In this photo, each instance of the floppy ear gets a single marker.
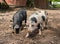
(46, 13)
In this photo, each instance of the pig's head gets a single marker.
(16, 28)
(32, 26)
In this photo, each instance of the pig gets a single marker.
(36, 21)
(18, 18)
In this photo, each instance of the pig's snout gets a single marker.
(17, 30)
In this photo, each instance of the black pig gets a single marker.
(18, 17)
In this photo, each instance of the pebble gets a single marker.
(52, 42)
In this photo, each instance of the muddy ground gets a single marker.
(49, 36)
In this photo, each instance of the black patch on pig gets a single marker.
(43, 17)
(34, 19)
(38, 26)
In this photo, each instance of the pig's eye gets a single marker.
(32, 25)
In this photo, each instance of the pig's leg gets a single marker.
(25, 21)
(39, 27)
(27, 35)
(40, 31)
(46, 23)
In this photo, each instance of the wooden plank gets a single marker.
(41, 3)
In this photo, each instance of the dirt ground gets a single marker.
(49, 36)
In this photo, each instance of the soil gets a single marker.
(49, 36)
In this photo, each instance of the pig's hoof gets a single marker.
(27, 35)
(39, 33)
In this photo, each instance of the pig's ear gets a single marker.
(46, 13)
